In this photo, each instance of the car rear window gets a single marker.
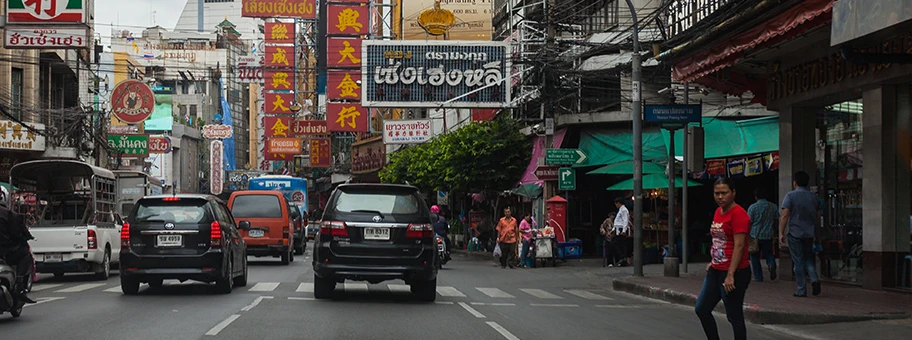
(181, 211)
(256, 206)
(384, 202)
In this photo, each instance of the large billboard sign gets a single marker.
(473, 19)
(52, 12)
(468, 74)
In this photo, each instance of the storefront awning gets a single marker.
(729, 138)
(796, 20)
(603, 147)
(532, 190)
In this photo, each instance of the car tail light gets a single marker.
(338, 229)
(171, 199)
(419, 231)
(286, 231)
(125, 236)
(92, 239)
(215, 235)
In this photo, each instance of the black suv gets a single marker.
(182, 237)
(375, 233)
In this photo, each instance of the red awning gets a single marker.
(796, 20)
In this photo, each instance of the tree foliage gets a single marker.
(490, 155)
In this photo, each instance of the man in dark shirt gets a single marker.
(14, 248)
(801, 213)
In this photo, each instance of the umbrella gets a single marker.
(626, 168)
(652, 181)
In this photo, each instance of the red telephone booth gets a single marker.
(556, 216)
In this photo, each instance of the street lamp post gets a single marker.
(637, 148)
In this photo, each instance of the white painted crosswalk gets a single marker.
(495, 292)
(79, 288)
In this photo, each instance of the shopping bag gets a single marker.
(497, 251)
(753, 245)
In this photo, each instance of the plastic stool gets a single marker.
(907, 262)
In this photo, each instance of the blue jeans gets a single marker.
(524, 253)
(766, 249)
(712, 292)
(805, 264)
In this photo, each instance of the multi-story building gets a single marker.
(214, 11)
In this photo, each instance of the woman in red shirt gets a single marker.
(728, 275)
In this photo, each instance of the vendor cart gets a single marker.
(544, 248)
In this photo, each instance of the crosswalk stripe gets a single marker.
(38, 288)
(352, 287)
(541, 294)
(264, 287)
(115, 289)
(400, 288)
(449, 291)
(306, 287)
(495, 293)
(79, 288)
(587, 295)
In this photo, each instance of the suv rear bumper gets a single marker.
(206, 267)
(340, 272)
(267, 250)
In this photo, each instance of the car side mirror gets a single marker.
(244, 225)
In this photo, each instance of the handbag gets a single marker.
(753, 246)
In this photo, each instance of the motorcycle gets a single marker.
(442, 252)
(9, 302)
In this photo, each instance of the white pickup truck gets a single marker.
(67, 247)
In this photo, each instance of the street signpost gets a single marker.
(566, 179)
(565, 156)
(546, 173)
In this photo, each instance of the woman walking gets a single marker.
(728, 275)
(525, 229)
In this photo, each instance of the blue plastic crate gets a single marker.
(572, 249)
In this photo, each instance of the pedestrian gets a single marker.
(764, 215)
(621, 229)
(800, 214)
(506, 237)
(525, 228)
(728, 275)
(610, 251)
(485, 231)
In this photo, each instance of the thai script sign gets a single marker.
(309, 127)
(132, 101)
(346, 117)
(159, 144)
(123, 129)
(435, 74)
(46, 38)
(130, 145)
(301, 9)
(290, 146)
(46, 12)
(15, 136)
(250, 69)
(406, 131)
(217, 131)
(216, 173)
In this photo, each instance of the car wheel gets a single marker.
(425, 291)
(286, 258)
(16, 312)
(225, 284)
(241, 281)
(105, 267)
(129, 286)
(323, 288)
(29, 283)
(299, 250)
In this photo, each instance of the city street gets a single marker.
(476, 300)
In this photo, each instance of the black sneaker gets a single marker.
(815, 288)
(24, 298)
(773, 273)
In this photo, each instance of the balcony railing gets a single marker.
(684, 14)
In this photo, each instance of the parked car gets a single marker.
(271, 222)
(182, 237)
(375, 233)
(300, 234)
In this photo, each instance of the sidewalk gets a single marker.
(771, 302)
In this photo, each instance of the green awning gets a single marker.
(531, 190)
(729, 138)
(603, 147)
(626, 168)
(653, 181)
(7, 186)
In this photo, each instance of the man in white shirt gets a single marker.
(621, 230)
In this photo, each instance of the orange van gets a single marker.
(270, 220)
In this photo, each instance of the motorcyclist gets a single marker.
(441, 227)
(14, 248)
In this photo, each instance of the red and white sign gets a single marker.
(216, 175)
(309, 127)
(132, 101)
(46, 11)
(290, 146)
(250, 69)
(406, 131)
(217, 131)
(159, 144)
(297, 197)
(546, 172)
(46, 38)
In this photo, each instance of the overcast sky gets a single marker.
(134, 15)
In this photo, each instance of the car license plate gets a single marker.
(53, 257)
(440, 247)
(170, 240)
(376, 233)
(256, 233)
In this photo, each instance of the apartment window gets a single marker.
(193, 112)
(183, 111)
(16, 84)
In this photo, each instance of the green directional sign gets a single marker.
(565, 156)
(566, 179)
(130, 145)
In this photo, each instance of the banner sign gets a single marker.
(309, 127)
(343, 85)
(281, 80)
(278, 103)
(301, 9)
(46, 38)
(347, 20)
(159, 144)
(216, 171)
(342, 117)
(278, 157)
(280, 33)
(290, 146)
(343, 52)
(250, 69)
(132, 101)
(754, 166)
(130, 145)
(469, 74)
(46, 12)
(736, 167)
(277, 126)
(279, 56)
(320, 152)
(15, 136)
(217, 131)
(406, 131)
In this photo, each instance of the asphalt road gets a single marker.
(476, 300)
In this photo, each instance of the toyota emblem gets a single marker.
(377, 218)
(169, 226)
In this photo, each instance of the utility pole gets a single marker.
(637, 148)
(686, 176)
(549, 139)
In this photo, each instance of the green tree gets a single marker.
(481, 156)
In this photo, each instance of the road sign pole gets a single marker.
(686, 176)
(637, 148)
(671, 261)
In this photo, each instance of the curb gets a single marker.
(753, 313)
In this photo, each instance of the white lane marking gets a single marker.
(629, 306)
(553, 305)
(503, 331)
(264, 287)
(39, 287)
(79, 288)
(115, 289)
(587, 295)
(495, 293)
(399, 288)
(471, 310)
(491, 304)
(477, 303)
(449, 291)
(541, 294)
(301, 298)
(43, 300)
(306, 287)
(255, 303)
(352, 287)
(218, 328)
(444, 302)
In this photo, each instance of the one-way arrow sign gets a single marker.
(567, 180)
(565, 156)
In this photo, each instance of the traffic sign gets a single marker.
(565, 156)
(546, 173)
(674, 114)
(566, 179)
